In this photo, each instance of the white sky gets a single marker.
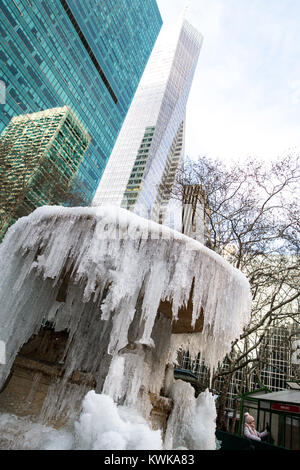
(245, 98)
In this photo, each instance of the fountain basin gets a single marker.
(123, 293)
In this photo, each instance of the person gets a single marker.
(250, 431)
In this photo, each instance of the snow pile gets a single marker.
(103, 425)
(192, 422)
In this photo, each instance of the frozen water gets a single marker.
(192, 422)
(142, 258)
(103, 425)
(21, 433)
(101, 274)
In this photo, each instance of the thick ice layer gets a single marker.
(192, 422)
(103, 425)
(101, 274)
(111, 261)
(23, 434)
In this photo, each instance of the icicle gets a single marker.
(101, 274)
(192, 422)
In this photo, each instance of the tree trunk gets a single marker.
(221, 421)
(232, 426)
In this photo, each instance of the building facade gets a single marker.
(280, 363)
(40, 154)
(87, 55)
(193, 212)
(174, 158)
(151, 141)
(280, 348)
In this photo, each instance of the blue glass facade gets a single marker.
(88, 55)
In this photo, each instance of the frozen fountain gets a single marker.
(95, 303)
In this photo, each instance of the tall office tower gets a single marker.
(279, 363)
(151, 140)
(279, 351)
(39, 155)
(193, 214)
(175, 155)
(89, 55)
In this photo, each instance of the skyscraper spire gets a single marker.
(186, 8)
(184, 12)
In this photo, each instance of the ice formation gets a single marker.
(22, 434)
(103, 425)
(191, 424)
(101, 274)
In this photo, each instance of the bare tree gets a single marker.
(251, 217)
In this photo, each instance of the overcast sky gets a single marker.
(245, 98)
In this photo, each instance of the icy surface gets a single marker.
(20, 433)
(111, 249)
(101, 273)
(192, 422)
(103, 425)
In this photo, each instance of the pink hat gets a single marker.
(248, 418)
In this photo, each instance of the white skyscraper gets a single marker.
(151, 141)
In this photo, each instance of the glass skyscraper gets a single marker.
(40, 154)
(151, 141)
(88, 55)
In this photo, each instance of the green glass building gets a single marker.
(88, 55)
(40, 154)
